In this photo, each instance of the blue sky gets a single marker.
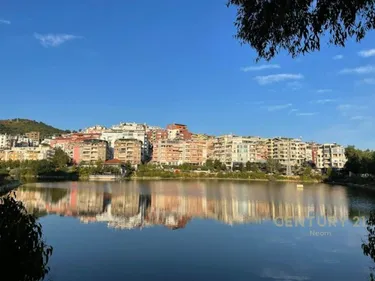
(74, 64)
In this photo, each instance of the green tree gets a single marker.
(368, 246)
(128, 169)
(60, 159)
(360, 161)
(253, 167)
(273, 166)
(297, 26)
(21, 243)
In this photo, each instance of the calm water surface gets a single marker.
(201, 230)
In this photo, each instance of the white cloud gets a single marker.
(292, 110)
(268, 79)
(350, 107)
(278, 107)
(359, 117)
(370, 81)
(323, 101)
(359, 70)
(4, 21)
(321, 91)
(338, 57)
(54, 40)
(295, 85)
(307, 113)
(260, 67)
(367, 53)
(257, 102)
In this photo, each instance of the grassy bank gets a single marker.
(244, 176)
(228, 179)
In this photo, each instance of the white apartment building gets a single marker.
(230, 150)
(331, 155)
(128, 131)
(95, 129)
(5, 141)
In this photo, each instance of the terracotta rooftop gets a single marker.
(113, 161)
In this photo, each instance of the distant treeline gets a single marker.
(359, 168)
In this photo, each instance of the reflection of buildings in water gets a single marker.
(127, 207)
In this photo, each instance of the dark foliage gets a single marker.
(21, 243)
(360, 161)
(368, 246)
(60, 159)
(298, 26)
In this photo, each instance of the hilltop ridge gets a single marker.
(21, 126)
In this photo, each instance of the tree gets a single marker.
(128, 169)
(298, 26)
(254, 167)
(238, 167)
(273, 166)
(359, 161)
(368, 246)
(98, 166)
(60, 159)
(21, 242)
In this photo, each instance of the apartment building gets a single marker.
(128, 131)
(34, 136)
(178, 132)
(68, 142)
(98, 129)
(168, 152)
(331, 156)
(195, 151)
(5, 141)
(177, 152)
(288, 151)
(90, 151)
(28, 153)
(231, 150)
(312, 152)
(128, 150)
(157, 135)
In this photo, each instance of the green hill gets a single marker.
(22, 126)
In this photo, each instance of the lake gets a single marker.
(201, 230)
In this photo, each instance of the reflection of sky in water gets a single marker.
(230, 234)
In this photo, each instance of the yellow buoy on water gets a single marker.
(299, 186)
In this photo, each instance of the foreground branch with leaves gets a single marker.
(22, 247)
(299, 26)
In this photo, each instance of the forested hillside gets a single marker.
(22, 126)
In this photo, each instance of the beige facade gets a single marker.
(34, 136)
(230, 149)
(27, 153)
(91, 151)
(195, 151)
(176, 152)
(287, 151)
(167, 152)
(128, 150)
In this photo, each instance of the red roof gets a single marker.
(113, 161)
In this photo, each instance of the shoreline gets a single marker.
(135, 178)
(370, 186)
(223, 179)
